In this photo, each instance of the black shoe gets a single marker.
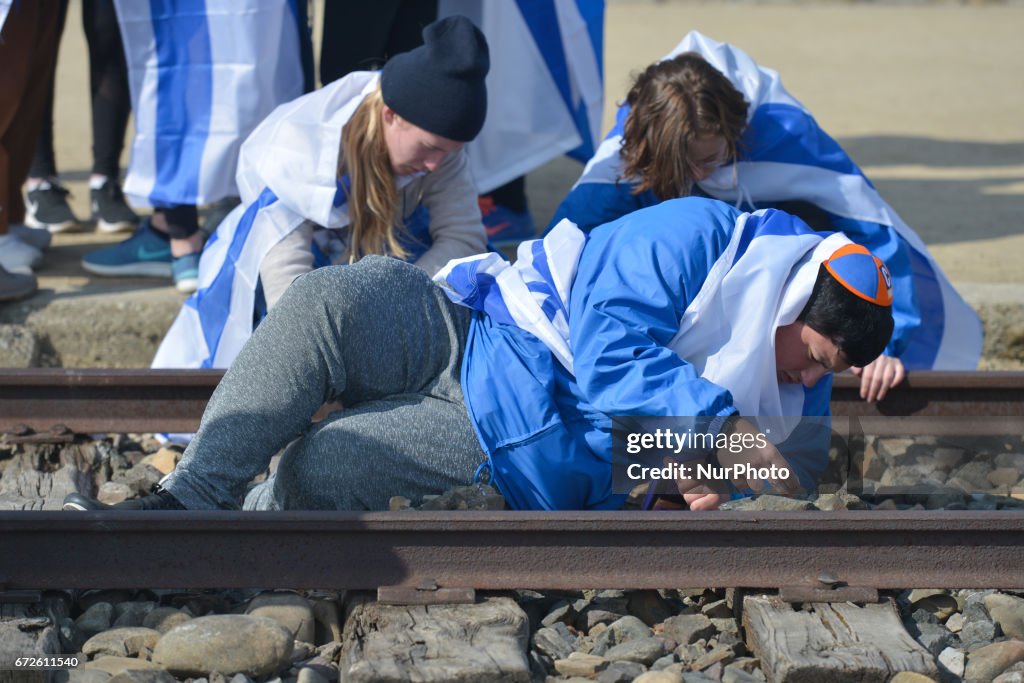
(47, 207)
(158, 499)
(110, 210)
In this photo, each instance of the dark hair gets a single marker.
(859, 328)
(674, 102)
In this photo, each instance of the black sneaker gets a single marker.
(110, 210)
(47, 207)
(158, 499)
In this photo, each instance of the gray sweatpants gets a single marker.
(379, 337)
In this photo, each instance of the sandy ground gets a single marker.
(928, 99)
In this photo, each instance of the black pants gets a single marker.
(361, 36)
(108, 84)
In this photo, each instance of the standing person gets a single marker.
(111, 106)
(202, 75)
(689, 308)
(28, 39)
(708, 120)
(370, 164)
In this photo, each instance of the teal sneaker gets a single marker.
(186, 272)
(147, 253)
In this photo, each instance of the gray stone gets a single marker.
(953, 661)
(554, 642)
(731, 675)
(117, 665)
(477, 497)
(620, 631)
(839, 501)
(975, 474)
(307, 675)
(562, 611)
(139, 478)
(716, 610)
(688, 628)
(659, 677)
(934, 638)
(114, 492)
(726, 626)
(1014, 460)
(649, 607)
(592, 617)
(147, 676)
(95, 619)
(640, 650)
(1008, 612)
(230, 643)
(977, 632)
(163, 619)
(1009, 677)
(985, 663)
(121, 642)
(81, 675)
(664, 662)
(579, 664)
(292, 611)
(955, 622)
(768, 502)
(620, 672)
(19, 347)
(132, 613)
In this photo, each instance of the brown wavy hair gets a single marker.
(674, 102)
(372, 196)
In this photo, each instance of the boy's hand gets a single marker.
(879, 376)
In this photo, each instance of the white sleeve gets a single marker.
(286, 260)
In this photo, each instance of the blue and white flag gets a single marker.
(287, 175)
(5, 7)
(202, 74)
(785, 156)
(760, 282)
(545, 91)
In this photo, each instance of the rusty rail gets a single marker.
(487, 550)
(121, 401)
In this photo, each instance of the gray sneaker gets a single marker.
(15, 286)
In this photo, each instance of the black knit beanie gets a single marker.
(439, 86)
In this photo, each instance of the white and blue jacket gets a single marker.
(784, 156)
(668, 311)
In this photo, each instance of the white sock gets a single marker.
(97, 181)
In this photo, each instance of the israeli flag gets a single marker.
(545, 91)
(202, 74)
(5, 7)
(785, 156)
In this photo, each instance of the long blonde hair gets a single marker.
(374, 226)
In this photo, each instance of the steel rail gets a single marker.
(488, 550)
(122, 401)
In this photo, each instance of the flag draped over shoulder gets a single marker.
(761, 282)
(545, 89)
(202, 74)
(287, 174)
(785, 156)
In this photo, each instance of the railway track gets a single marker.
(487, 550)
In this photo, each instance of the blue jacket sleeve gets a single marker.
(636, 277)
(589, 205)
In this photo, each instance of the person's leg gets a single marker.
(358, 458)
(111, 106)
(365, 332)
(26, 52)
(355, 36)
(47, 199)
(506, 215)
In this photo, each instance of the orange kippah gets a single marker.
(862, 273)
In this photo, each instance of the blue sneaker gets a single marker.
(146, 253)
(186, 272)
(505, 226)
